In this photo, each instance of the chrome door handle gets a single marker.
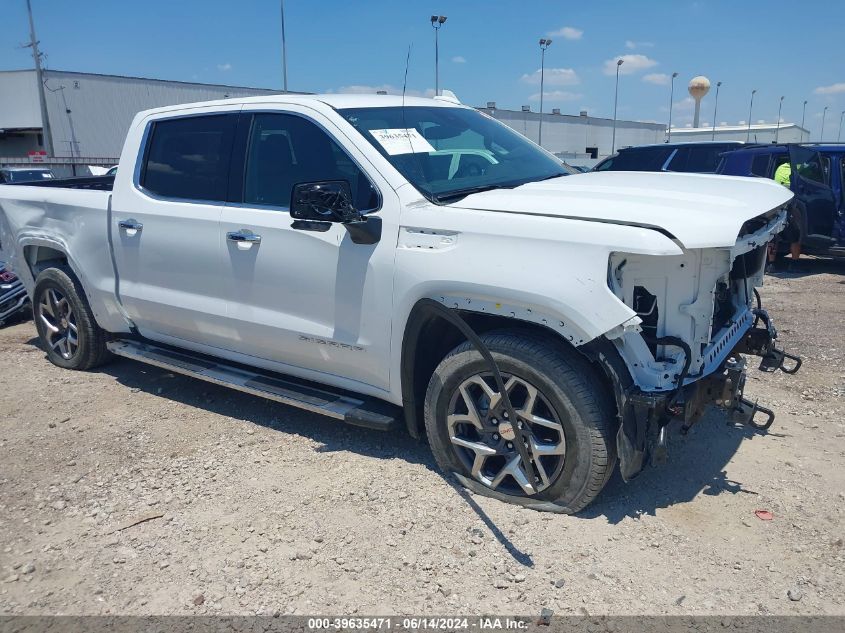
(130, 224)
(243, 236)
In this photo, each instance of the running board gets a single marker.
(352, 409)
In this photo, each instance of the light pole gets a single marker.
(284, 49)
(544, 44)
(750, 109)
(671, 103)
(437, 22)
(803, 113)
(824, 115)
(777, 129)
(46, 133)
(715, 110)
(615, 103)
(839, 134)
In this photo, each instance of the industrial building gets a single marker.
(89, 115)
(577, 136)
(757, 133)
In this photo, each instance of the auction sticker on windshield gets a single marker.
(402, 141)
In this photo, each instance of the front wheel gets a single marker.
(561, 405)
(66, 327)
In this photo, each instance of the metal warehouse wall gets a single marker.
(563, 133)
(19, 100)
(102, 106)
(788, 133)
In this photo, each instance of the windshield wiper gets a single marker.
(547, 178)
(461, 193)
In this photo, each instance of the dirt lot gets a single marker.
(268, 509)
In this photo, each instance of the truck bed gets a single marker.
(99, 183)
(48, 219)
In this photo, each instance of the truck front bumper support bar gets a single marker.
(648, 413)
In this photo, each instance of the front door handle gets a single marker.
(131, 226)
(243, 238)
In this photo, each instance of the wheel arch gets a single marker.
(428, 338)
(40, 253)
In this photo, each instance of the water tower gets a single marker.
(698, 87)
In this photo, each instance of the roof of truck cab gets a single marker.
(336, 101)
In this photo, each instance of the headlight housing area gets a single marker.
(704, 297)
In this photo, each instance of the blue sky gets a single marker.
(489, 49)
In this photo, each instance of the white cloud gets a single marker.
(557, 95)
(660, 79)
(630, 64)
(832, 89)
(362, 89)
(224, 67)
(686, 104)
(554, 77)
(568, 32)
(458, 59)
(631, 44)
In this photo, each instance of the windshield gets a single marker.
(447, 153)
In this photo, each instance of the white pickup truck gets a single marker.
(381, 260)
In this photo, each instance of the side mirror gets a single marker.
(325, 201)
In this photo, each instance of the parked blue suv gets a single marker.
(817, 182)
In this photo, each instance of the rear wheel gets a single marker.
(561, 406)
(66, 327)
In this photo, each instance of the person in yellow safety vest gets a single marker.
(783, 175)
(792, 232)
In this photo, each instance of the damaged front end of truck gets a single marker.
(698, 314)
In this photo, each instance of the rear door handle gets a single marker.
(131, 226)
(243, 238)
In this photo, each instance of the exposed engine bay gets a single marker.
(697, 314)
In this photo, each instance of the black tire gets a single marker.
(91, 339)
(570, 385)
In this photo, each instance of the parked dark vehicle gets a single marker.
(817, 182)
(13, 297)
(701, 158)
(19, 175)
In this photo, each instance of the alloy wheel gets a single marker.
(483, 436)
(60, 330)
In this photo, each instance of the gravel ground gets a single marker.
(252, 507)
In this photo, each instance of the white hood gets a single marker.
(701, 211)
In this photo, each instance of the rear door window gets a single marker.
(188, 158)
(641, 159)
(807, 163)
(697, 160)
(760, 165)
(703, 160)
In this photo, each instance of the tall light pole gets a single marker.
(803, 113)
(750, 110)
(619, 62)
(437, 22)
(715, 110)
(671, 103)
(777, 129)
(544, 44)
(824, 115)
(46, 133)
(839, 134)
(284, 50)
